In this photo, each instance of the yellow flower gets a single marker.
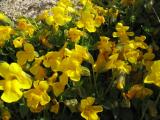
(84, 1)
(104, 45)
(72, 68)
(131, 55)
(71, 64)
(67, 4)
(53, 59)
(88, 111)
(18, 42)
(38, 95)
(154, 76)
(99, 20)
(115, 63)
(105, 49)
(147, 58)
(122, 33)
(60, 15)
(55, 106)
(43, 15)
(37, 70)
(27, 55)
(138, 91)
(80, 53)
(5, 19)
(50, 20)
(122, 66)
(14, 80)
(112, 60)
(87, 21)
(37, 109)
(53, 78)
(90, 16)
(5, 34)
(58, 87)
(99, 65)
(75, 34)
(105, 62)
(26, 27)
(138, 42)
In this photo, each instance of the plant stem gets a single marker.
(109, 86)
(156, 14)
(96, 83)
(144, 111)
(158, 97)
(95, 76)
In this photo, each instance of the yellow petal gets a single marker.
(28, 47)
(43, 85)
(58, 88)
(11, 92)
(93, 116)
(49, 20)
(2, 84)
(115, 34)
(45, 99)
(21, 57)
(84, 115)
(152, 79)
(74, 75)
(25, 81)
(86, 102)
(89, 114)
(80, 24)
(15, 68)
(33, 101)
(4, 69)
(154, 76)
(63, 79)
(55, 107)
(11, 96)
(91, 28)
(18, 42)
(100, 63)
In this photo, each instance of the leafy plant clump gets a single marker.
(90, 60)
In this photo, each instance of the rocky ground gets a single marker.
(28, 8)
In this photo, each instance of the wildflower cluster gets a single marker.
(64, 59)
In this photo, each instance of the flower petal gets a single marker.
(4, 68)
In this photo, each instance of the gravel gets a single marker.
(27, 8)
